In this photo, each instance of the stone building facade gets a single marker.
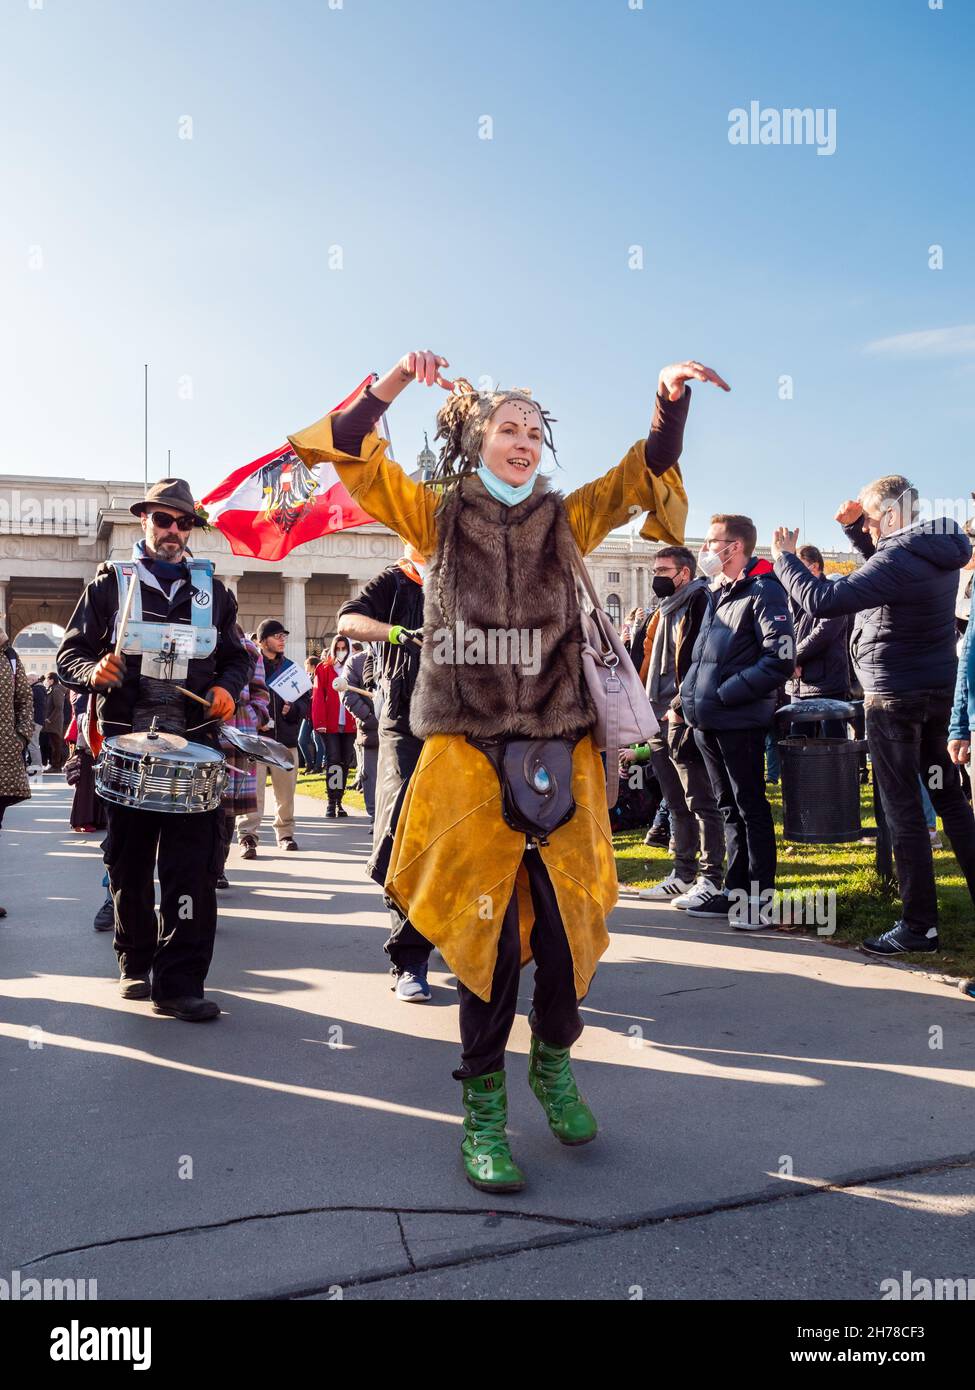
(54, 532)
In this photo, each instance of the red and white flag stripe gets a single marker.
(268, 507)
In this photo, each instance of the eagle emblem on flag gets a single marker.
(287, 487)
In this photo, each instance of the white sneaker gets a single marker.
(700, 892)
(760, 915)
(671, 887)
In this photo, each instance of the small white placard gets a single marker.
(291, 683)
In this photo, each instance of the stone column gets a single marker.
(3, 605)
(294, 616)
(231, 580)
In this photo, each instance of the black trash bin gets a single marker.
(820, 776)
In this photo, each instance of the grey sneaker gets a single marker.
(412, 986)
(899, 941)
(134, 986)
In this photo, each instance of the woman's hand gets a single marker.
(424, 367)
(413, 366)
(672, 378)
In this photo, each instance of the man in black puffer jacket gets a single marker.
(744, 652)
(904, 652)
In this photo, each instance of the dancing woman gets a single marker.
(502, 545)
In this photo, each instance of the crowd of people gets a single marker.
(484, 784)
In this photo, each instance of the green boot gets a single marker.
(487, 1158)
(550, 1077)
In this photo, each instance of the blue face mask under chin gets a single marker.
(502, 491)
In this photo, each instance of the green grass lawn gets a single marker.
(314, 785)
(862, 908)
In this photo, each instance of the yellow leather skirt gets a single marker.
(455, 862)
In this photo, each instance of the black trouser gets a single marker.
(554, 1018)
(178, 946)
(340, 755)
(399, 754)
(735, 760)
(907, 735)
(225, 827)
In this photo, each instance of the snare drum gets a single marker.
(160, 772)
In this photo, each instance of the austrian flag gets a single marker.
(267, 508)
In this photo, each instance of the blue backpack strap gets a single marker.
(201, 605)
(201, 579)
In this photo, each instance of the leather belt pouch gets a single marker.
(536, 781)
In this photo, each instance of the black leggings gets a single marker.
(339, 755)
(554, 1017)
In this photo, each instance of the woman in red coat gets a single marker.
(330, 718)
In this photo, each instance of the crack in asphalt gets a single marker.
(305, 1211)
(402, 1236)
(600, 1230)
(577, 1229)
(696, 989)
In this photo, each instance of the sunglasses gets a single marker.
(164, 521)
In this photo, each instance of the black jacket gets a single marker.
(39, 696)
(637, 647)
(744, 652)
(360, 672)
(88, 637)
(286, 726)
(393, 597)
(904, 598)
(822, 653)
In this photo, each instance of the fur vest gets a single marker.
(502, 634)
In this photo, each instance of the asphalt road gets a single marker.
(780, 1117)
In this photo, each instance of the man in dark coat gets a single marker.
(172, 594)
(822, 659)
(744, 652)
(389, 612)
(55, 722)
(285, 722)
(903, 649)
(360, 674)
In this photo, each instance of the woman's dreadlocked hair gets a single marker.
(461, 422)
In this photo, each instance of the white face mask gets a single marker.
(894, 508)
(710, 562)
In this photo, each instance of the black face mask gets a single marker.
(663, 586)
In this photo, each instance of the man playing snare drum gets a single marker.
(180, 631)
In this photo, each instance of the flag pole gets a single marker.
(145, 421)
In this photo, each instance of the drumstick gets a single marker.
(190, 696)
(358, 690)
(126, 610)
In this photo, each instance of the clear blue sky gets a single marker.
(358, 127)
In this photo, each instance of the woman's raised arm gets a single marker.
(378, 484)
(648, 479)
